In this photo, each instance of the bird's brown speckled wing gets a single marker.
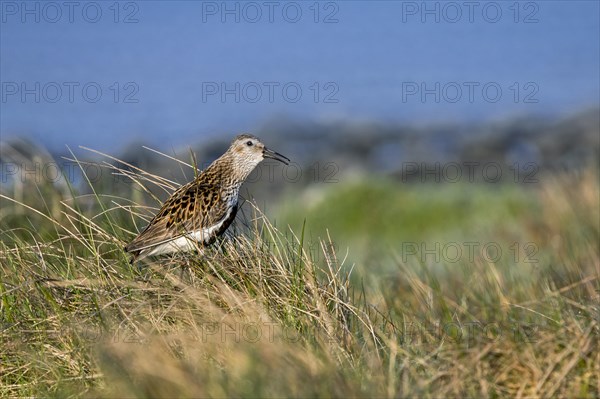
(193, 207)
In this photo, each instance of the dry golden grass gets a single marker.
(267, 315)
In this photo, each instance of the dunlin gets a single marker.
(200, 211)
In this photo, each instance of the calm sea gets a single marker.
(105, 73)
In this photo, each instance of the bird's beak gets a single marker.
(275, 155)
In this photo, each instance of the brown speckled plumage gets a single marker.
(200, 211)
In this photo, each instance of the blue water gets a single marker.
(359, 61)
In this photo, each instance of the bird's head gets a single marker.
(247, 151)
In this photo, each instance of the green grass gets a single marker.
(391, 211)
(278, 312)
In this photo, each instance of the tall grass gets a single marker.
(267, 312)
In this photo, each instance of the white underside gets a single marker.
(192, 241)
(181, 244)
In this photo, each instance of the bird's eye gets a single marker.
(249, 143)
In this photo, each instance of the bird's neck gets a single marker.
(231, 174)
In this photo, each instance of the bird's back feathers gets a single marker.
(201, 208)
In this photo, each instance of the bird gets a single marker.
(202, 210)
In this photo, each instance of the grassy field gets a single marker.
(370, 289)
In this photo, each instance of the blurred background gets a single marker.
(405, 120)
(438, 226)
